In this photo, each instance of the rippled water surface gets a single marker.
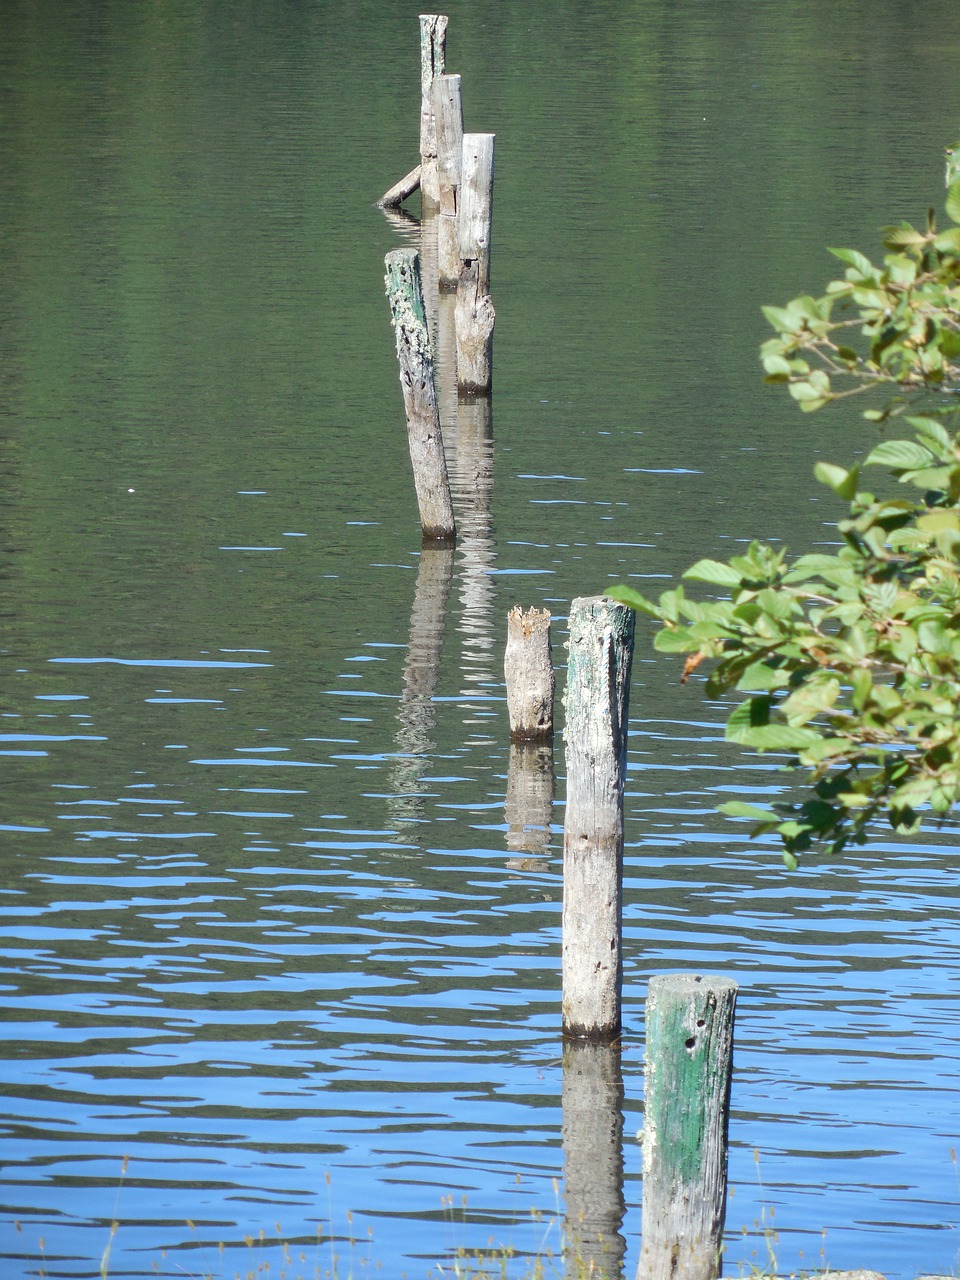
(280, 913)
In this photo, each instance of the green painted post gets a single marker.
(688, 1061)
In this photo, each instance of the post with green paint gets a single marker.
(598, 684)
(415, 356)
(688, 1061)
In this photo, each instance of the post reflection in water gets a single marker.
(593, 1159)
(472, 489)
(528, 808)
(417, 713)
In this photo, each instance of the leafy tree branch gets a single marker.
(850, 662)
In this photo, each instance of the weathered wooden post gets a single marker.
(528, 669)
(475, 313)
(448, 113)
(433, 56)
(405, 292)
(592, 1110)
(597, 700)
(688, 1061)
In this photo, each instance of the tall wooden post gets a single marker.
(475, 313)
(448, 113)
(597, 700)
(433, 56)
(528, 670)
(688, 1061)
(414, 354)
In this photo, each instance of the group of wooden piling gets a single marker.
(455, 180)
(689, 1018)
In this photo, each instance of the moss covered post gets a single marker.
(597, 700)
(687, 1066)
(414, 353)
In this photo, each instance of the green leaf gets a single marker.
(628, 596)
(781, 319)
(901, 236)
(675, 640)
(953, 202)
(948, 241)
(839, 479)
(739, 809)
(901, 455)
(714, 571)
(935, 433)
(856, 260)
(780, 737)
(759, 677)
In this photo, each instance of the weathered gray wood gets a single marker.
(448, 113)
(592, 1109)
(597, 698)
(398, 193)
(433, 56)
(688, 1061)
(528, 670)
(405, 291)
(528, 805)
(475, 313)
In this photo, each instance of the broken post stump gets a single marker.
(448, 114)
(687, 1066)
(475, 313)
(597, 700)
(433, 55)
(528, 669)
(405, 291)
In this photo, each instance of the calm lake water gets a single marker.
(273, 935)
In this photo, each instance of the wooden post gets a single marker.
(475, 313)
(448, 113)
(433, 55)
(528, 668)
(597, 699)
(405, 292)
(688, 1060)
(592, 1110)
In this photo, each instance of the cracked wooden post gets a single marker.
(597, 699)
(528, 670)
(433, 54)
(405, 291)
(688, 1061)
(475, 314)
(448, 113)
